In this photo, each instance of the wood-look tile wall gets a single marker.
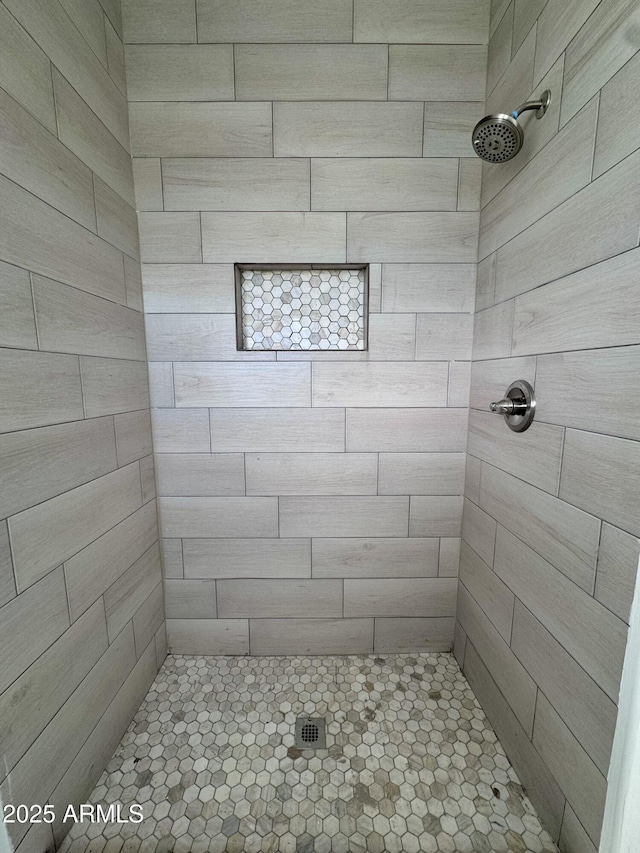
(81, 612)
(308, 501)
(551, 532)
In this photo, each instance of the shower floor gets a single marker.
(411, 763)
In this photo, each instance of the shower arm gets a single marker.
(540, 106)
(529, 105)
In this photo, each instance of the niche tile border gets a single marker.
(302, 307)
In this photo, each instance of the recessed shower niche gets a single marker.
(310, 307)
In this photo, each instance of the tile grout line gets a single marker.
(595, 571)
(35, 312)
(595, 137)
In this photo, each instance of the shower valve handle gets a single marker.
(509, 407)
(518, 406)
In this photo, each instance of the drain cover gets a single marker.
(310, 733)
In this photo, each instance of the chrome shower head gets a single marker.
(498, 137)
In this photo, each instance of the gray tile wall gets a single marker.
(81, 611)
(308, 500)
(550, 532)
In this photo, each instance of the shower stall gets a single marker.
(319, 454)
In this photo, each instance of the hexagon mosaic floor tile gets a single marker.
(411, 763)
(296, 309)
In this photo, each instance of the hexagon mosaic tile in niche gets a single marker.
(302, 309)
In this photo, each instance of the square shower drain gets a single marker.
(310, 733)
